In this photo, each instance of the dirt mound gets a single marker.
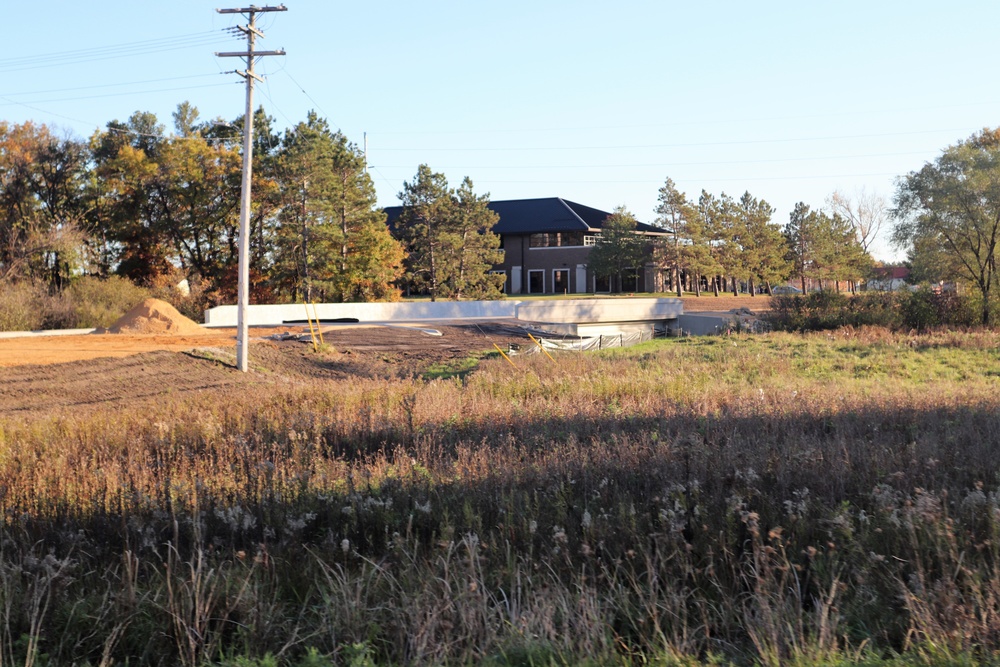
(154, 316)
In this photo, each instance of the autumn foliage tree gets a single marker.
(41, 200)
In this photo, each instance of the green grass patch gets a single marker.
(456, 368)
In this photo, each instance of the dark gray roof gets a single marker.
(550, 214)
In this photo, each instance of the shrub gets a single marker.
(88, 302)
(96, 302)
(191, 303)
(818, 311)
(876, 309)
(21, 306)
(925, 309)
(920, 310)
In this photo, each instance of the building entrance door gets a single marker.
(560, 281)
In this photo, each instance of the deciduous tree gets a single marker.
(41, 203)
(951, 209)
(866, 212)
(619, 248)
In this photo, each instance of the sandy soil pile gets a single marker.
(154, 316)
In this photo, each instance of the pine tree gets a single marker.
(332, 241)
(422, 226)
(687, 248)
(823, 247)
(802, 235)
(762, 248)
(448, 234)
(474, 248)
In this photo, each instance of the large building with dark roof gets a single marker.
(546, 243)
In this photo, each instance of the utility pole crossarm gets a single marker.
(251, 9)
(243, 269)
(248, 54)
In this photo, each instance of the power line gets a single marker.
(51, 113)
(108, 85)
(797, 177)
(382, 176)
(285, 71)
(75, 53)
(267, 94)
(743, 142)
(721, 121)
(129, 92)
(664, 164)
(129, 49)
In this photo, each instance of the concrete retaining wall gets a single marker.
(583, 311)
(275, 315)
(708, 324)
(568, 310)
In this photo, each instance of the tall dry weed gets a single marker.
(772, 500)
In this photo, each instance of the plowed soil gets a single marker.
(51, 374)
(117, 369)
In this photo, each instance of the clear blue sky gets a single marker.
(596, 102)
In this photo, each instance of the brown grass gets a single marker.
(773, 499)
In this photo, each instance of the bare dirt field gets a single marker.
(59, 373)
(42, 350)
(37, 350)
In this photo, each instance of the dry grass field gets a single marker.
(816, 499)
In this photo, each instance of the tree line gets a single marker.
(157, 208)
(721, 244)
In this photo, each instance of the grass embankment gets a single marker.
(809, 500)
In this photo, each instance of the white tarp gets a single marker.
(602, 342)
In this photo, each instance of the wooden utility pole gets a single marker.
(243, 275)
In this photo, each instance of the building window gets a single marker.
(536, 281)
(543, 240)
(558, 240)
